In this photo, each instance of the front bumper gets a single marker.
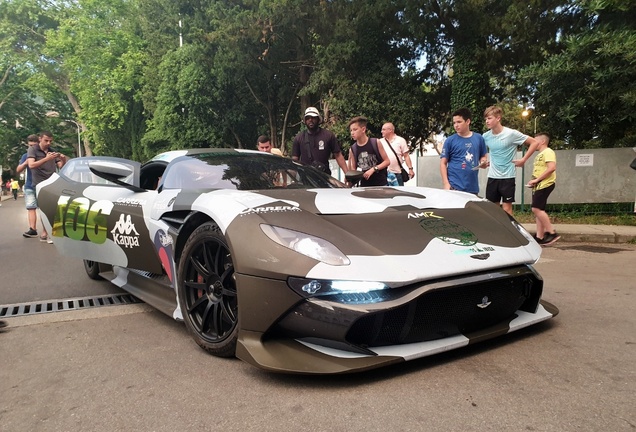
(334, 334)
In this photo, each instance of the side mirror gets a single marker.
(353, 177)
(114, 172)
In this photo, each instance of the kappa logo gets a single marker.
(122, 233)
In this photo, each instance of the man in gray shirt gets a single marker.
(43, 163)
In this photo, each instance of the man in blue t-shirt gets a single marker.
(502, 145)
(462, 155)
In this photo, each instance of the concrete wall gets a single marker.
(583, 176)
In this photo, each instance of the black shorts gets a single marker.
(498, 190)
(540, 197)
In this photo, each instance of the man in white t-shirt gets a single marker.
(392, 141)
(502, 145)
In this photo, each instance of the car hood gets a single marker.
(397, 235)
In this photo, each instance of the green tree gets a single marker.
(482, 44)
(588, 92)
(246, 61)
(365, 65)
(98, 46)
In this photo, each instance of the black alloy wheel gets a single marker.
(207, 291)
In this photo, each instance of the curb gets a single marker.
(610, 234)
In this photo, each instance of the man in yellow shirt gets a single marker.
(15, 187)
(543, 183)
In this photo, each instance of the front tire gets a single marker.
(207, 291)
(92, 269)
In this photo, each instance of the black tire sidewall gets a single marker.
(92, 269)
(205, 232)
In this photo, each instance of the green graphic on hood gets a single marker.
(449, 232)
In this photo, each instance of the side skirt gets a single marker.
(155, 290)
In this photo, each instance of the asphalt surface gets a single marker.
(130, 367)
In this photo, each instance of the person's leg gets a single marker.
(32, 216)
(538, 207)
(552, 235)
(492, 191)
(31, 205)
(507, 207)
(507, 192)
(540, 198)
(44, 237)
(543, 223)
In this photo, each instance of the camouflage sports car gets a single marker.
(289, 270)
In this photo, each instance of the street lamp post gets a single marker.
(79, 139)
(525, 115)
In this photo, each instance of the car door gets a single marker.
(100, 218)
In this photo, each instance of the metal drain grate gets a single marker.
(47, 306)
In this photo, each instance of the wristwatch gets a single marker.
(375, 168)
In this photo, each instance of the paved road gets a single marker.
(131, 368)
(32, 270)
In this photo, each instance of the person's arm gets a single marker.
(296, 150)
(341, 161)
(443, 170)
(532, 146)
(550, 168)
(483, 153)
(385, 158)
(385, 161)
(353, 163)
(36, 164)
(61, 161)
(409, 164)
(22, 166)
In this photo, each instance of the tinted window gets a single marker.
(77, 169)
(243, 171)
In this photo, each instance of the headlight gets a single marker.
(314, 287)
(308, 245)
(522, 230)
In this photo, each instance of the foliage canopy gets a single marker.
(142, 76)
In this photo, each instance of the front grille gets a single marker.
(446, 312)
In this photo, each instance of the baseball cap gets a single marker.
(312, 112)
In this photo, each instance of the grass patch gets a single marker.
(586, 214)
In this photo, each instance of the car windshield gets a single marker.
(243, 171)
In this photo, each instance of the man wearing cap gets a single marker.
(315, 145)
